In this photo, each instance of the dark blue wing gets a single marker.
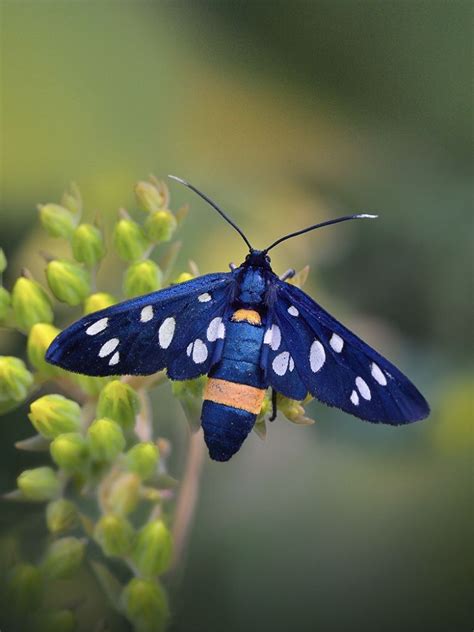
(179, 328)
(334, 365)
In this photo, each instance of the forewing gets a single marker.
(150, 333)
(336, 366)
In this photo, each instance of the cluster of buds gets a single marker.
(104, 479)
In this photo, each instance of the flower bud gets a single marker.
(118, 401)
(293, 411)
(58, 621)
(69, 282)
(145, 605)
(69, 451)
(160, 226)
(129, 240)
(24, 589)
(114, 534)
(5, 301)
(15, 381)
(30, 303)
(124, 494)
(105, 439)
(61, 515)
(3, 261)
(88, 244)
(142, 459)
(39, 339)
(152, 196)
(63, 558)
(142, 277)
(153, 549)
(40, 483)
(52, 415)
(183, 277)
(98, 301)
(72, 199)
(56, 220)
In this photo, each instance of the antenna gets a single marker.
(215, 206)
(327, 223)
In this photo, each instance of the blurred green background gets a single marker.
(286, 113)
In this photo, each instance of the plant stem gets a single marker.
(188, 495)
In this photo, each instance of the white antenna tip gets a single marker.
(366, 216)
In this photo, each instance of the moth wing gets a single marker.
(336, 366)
(149, 333)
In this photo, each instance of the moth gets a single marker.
(247, 330)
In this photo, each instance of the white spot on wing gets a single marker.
(108, 347)
(114, 359)
(199, 351)
(204, 298)
(363, 388)
(293, 311)
(166, 332)
(216, 329)
(280, 363)
(97, 327)
(317, 356)
(146, 314)
(378, 375)
(292, 364)
(336, 343)
(189, 349)
(355, 398)
(273, 337)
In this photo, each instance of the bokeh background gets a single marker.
(287, 113)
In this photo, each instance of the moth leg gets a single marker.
(232, 266)
(274, 405)
(289, 274)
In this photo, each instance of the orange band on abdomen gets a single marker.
(240, 396)
(247, 316)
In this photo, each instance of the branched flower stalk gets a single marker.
(110, 500)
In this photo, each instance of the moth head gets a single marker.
(258, 259)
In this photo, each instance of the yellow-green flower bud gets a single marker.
(124, 494)
(52, 415)
(142, 459)
(59, 621)
(56, 220)
(15, 381)
(294, 411)
(40, 483)
(114, 534)
(39, 339)
(160, 226)
(24, 590)
(118, 401)
(145, 605)
(5, 301)
(61, 515)
(98, 301)
(3, 261)
(152, 196)
(69, 282)
(129, 240)
(72, 199)
(183, 277)
(30, 304)
(63, 558)
(153, 549)
(142, 277)
(69, 451)
(88, 244)
(105, 439)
